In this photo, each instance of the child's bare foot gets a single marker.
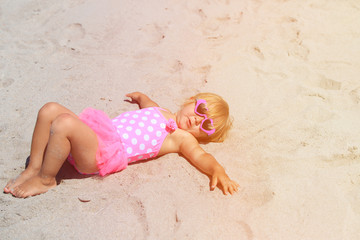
(34, 186)
(23, 177)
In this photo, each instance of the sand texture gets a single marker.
(290, 71)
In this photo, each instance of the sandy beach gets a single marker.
(289, 70)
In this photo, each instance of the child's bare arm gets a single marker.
(208, 164)
(142, 100)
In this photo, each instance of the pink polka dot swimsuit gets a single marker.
(142, 132)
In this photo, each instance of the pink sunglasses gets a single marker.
(207, 121)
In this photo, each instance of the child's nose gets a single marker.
(198, 120)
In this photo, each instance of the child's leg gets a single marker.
(47, 114)
(66, 133)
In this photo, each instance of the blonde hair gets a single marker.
(218, 110)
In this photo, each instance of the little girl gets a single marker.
(96, 144)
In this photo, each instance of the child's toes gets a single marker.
(8, 186)
(16, 192)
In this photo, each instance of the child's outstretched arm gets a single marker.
(142, 100)
(208, 164)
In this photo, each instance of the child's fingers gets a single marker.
(231, 187)
(134, 96)
(228, 186)
(231, 190)
(213, 183)
(129, 95)
(235, 183)
(224, 187)
(235, 186)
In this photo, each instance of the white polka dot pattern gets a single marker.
(142, 132)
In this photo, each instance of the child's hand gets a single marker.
(141, 99)
(227, 185)
(135, 96)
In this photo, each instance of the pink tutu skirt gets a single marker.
(110, 155)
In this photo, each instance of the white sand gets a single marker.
(289, 69)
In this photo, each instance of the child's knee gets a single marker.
(48, 109)
(63, 123)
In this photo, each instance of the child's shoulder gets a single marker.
(175, 141)
(166, 113)
(181, 136)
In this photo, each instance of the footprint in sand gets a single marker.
(355, 95)
(176, 66)
(258, 53)
(257, 194)
(246, 230)
(4, 83)
(291, 32)
(351, 156)
(329, 84)
(297, 49)
(72, 34)
(204, 72)
(154, 34)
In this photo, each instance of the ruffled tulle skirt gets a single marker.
(110, 155)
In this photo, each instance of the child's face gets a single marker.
(188, 120)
